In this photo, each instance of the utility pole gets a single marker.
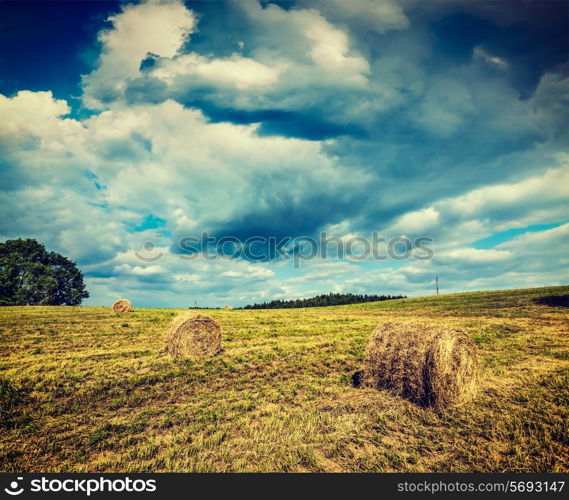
(437, 283)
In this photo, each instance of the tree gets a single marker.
(30, 275)
(332, 299)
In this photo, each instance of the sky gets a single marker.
(126, 127)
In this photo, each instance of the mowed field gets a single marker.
(84, 389)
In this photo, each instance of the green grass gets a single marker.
(84, 389)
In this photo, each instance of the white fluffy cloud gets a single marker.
(155, 27)
(37, 115)
(239, 72)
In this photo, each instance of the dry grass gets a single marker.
(193, 336)
(91, 392)
(431, 365)
(122, 306)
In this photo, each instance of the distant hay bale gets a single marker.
(122, 306)
(229, 308)
(193, 336)
(430, 365)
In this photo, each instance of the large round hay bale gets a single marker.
(193, 336)
(430, 365)
(122, 306)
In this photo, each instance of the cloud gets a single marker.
(495, 61)
(235, 71)
(284, 120)
(461, 220)
(34, 121)
(522, 263)
(378, 15)
(154, 27)
(417, 221)
(172, 163)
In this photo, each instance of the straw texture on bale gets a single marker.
(193, 336)
(122, 306)
(430, 365)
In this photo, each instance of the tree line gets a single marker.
(331, 299)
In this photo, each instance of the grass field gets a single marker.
(84, 389)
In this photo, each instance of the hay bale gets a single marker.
(193, 336)
(428, 364)
(122, 306)
(229, 308)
